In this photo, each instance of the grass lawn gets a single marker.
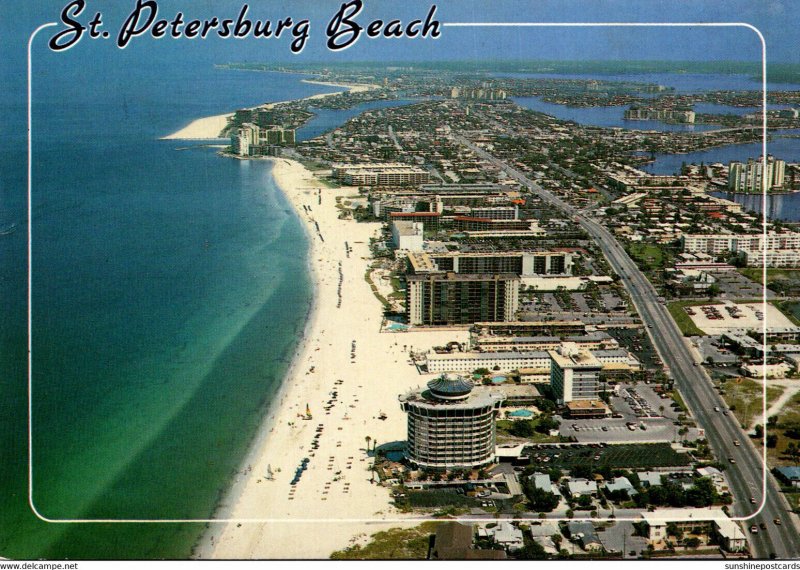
(788, 416)
(683, 320)
(743, 397)
(789, 308)
(504, 434)
(794, 500)
(392, 544)
(773, 274)
(648, 254)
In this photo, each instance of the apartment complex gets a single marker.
(380, 174)
(457, 299)
(636, 113)
(574, 374)
(450, 425)
(252, 140)
(754, 177)
(524, 264)
(781, 249)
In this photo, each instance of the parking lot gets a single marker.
(734, 285)
(715, 319)
(707, 348)
(617, 431)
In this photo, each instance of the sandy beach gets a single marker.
(210, 128)
(347, 372)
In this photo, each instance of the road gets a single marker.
(747, 475)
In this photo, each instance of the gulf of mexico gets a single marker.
(168, 297)
(165, 315)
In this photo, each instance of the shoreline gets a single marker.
(348, 372)
(210, 128)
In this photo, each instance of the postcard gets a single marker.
(294, 280)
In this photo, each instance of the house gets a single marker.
(544, 528)
(650, 478)
(716, 476)
(453, 541)
(580, 487)
(788, 475)
(584, 534)
(621, 484)
(542, 482)
(507, 535)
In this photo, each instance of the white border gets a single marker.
(414, 519)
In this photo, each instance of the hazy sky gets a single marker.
(778, 20)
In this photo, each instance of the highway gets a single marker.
(745, 476)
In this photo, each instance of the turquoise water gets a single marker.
(521, 414)
(168, 298)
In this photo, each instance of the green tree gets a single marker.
(522, 428)
(539, 500)
(531, 551)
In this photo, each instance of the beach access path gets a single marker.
(347, 372)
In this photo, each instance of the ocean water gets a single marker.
(168, 299)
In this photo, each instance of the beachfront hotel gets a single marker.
(451, 425)
(522, 263)
(455, 299)
(379, 174)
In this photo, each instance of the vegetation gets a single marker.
(539, 500)
(392, 544)
(682, 319)
(743, 397)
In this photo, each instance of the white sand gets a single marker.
(202, 129)
(371, 384)
(212, 127)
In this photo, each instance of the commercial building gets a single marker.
(531, 328)
(574, 374)
(430, 219)
(492, 343)
(451, 425)
(751, 176)
(540, 360)
(695, 521)
(380, 174)
(455, 299)
(407, 236)
(587, 409)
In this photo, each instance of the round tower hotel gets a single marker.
(450, 426)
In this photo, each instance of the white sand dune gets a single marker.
(335, 498)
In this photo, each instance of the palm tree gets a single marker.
(368, 439)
